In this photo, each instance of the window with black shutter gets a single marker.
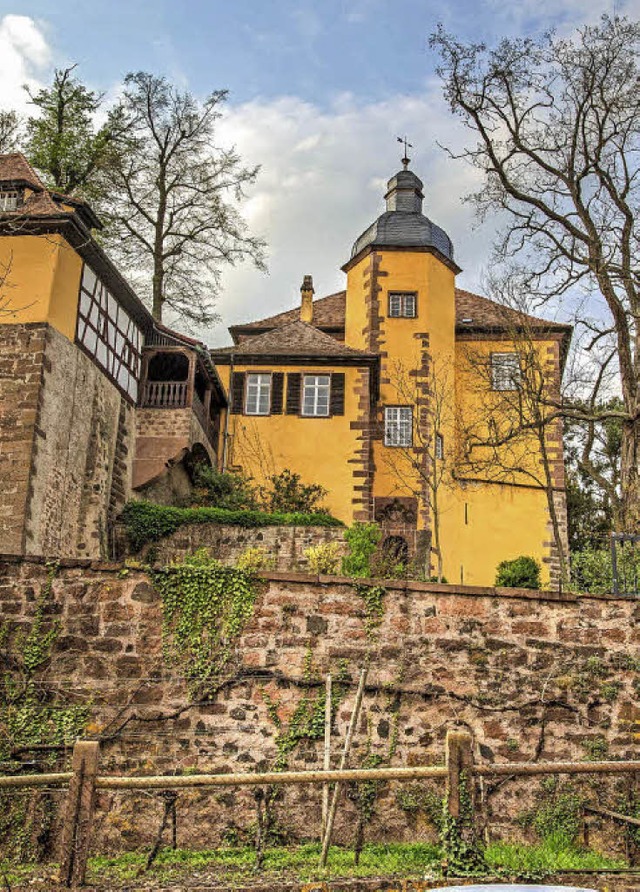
(293, 393)
(237, 393)
(337, 393)
(277, 393)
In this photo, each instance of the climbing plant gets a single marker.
(462, 852)
(205, 608)
(32, 719)
(373, 597)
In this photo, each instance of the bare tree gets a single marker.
(557, 129)
(511, 430)
(423, 467)
(173, 215)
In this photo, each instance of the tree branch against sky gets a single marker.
(557, 129)
(9, 131)
(173, 201)
(63, 141)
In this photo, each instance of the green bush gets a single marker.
(254, 559)
(592, 571)
(324, 558)
(362, 540)
(521, 572)
(146, 522)
(286, 492)
(222, 489)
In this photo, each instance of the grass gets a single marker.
(554, 855)
(233, 865)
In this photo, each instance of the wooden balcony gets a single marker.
(165, 395)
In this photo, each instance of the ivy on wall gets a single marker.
(205, 608)
(33, 720)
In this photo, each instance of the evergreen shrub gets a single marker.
(521, 572)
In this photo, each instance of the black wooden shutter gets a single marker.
(277, 388)
(237, 393)
(337, 393)
(294, 383)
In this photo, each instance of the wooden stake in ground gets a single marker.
(327, 754)
(78, 814)
(326, 842)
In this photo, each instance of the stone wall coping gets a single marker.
(402, 585)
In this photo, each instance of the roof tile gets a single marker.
(292, 339)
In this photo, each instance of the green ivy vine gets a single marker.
(32, 717)
(307, 720)
(460, 847)
(205, 609)
(373, 597)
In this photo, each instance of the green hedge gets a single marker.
(146, 522)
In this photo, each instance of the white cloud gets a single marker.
(322, 183)
(24, 57)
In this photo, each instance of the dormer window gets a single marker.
(9, 199)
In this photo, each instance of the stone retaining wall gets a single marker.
(285, 546)
(534, 676)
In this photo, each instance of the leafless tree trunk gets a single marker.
(556, 124)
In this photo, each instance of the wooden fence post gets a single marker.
(78, 813)
(459, 759)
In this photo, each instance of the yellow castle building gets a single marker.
(413, 403)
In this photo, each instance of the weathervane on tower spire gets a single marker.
(407, 145)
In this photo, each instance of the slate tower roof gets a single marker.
(403, 225)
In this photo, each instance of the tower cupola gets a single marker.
(403, 225)
(404, 193)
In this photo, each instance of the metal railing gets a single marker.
(625, 558)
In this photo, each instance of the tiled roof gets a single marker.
(485, 314)
(328, 313)
(476, 313)
(15, 166)
(292, 339)
(42, 202)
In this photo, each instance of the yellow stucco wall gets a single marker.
(41, 281)
(481, 523)
(319, 449)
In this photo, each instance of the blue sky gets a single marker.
(318, 93)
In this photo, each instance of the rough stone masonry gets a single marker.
(534, 676)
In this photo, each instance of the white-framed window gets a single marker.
(9, 199)
(505, 371)
(258, 394)
(402, 304)
(439, 444)
(109, 334)
(398, 426)
(315, 395)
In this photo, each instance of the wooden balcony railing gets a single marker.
(164, 395)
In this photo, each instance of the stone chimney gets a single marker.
(306, 307)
